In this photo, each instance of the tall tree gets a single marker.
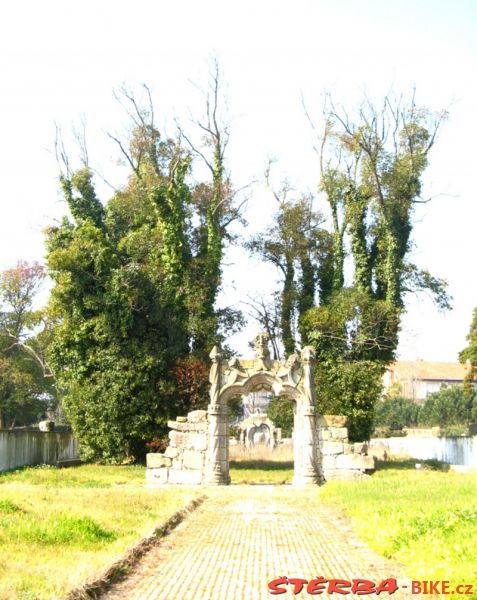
(371, 177)
(217, 206)
(136, 281)
(298, 246)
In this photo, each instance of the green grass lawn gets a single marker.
(425, 519)
(261, 471)
(61, 527)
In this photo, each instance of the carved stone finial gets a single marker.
(215, 354)
(261, 349)
(308, 354)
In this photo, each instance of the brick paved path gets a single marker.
(241, 538)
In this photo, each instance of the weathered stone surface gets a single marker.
(179, 439)
(155, 460)
(378, 450)
(185, 476)
(197, 416)
(182, 419)
(359, 447)
(339, 433)
(157, 475)
(332, 447)
(329, 462)
(355, 461)
(177, 463)
(198, 441)
(331, 421)
(171, 452)
(193, 459)
(323, 434)
(180, 426)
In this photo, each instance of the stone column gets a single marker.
(308, 470)
(217, 468)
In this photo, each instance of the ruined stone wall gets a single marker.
(183, 461)
(340, 458)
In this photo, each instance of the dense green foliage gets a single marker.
(450, 408)
(396, 413)
(280, 411)
(469, 356)
(27, 389)
(447, 407)
(133, 294)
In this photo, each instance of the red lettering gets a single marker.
(273, 585)
(362, 586)
(316, 586)
(445, 587)
(298, 583)
(338, 586)
(388, 585)
(416, 587)
(433, 587)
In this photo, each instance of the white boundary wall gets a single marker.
(19, 448)
(451, 450)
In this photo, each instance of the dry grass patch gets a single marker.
(260, 464)
(61, 527)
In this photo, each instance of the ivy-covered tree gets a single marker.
(371, 177)
(127, 295)
(298, 247)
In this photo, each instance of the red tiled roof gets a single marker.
(421, 369)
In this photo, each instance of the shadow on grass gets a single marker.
(260, 465)
(410, 464)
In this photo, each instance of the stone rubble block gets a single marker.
(178, 426)
(340, 433)
(332, 421)
(155, 460)
(197, 441)
(324, 434)
(359, 448)
(185, 476)
(197, 416)
(329, 462)
(355, 461)
(171, 452)
(178, 439)
(157, 475)
(193, 459)
(331, 448)
(177, 463)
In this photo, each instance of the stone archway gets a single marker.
(293, 378)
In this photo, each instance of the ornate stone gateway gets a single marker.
(198, 451)
(293, 379)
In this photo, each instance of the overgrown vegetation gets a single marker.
(136, 278)
(344, 283)
(451, 409)
(57, 529)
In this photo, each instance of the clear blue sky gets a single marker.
(60, 60)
